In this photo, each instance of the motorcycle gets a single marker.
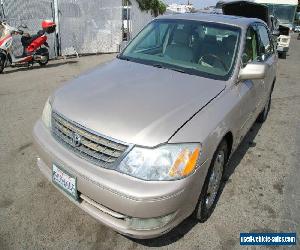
(35, 47)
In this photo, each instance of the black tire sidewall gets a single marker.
(263, 116)
(46, 62)
(202, 213)
(2, 65)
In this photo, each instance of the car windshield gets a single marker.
(193, 47)
(284, 13)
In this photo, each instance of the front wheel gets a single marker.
(212, 186)
(282, 55)
(2, 64)
(45, 61)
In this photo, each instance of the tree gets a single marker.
(157, 7)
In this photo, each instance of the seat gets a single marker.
(179, 48)
(228, 45)
(210, 46)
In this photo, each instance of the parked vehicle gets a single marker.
(143, 152)
(35, 46)
(278, 14)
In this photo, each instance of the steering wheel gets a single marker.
(215, 57)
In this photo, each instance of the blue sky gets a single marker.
(196, 3)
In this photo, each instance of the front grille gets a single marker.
(91, 146)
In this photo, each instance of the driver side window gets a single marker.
(251, 47)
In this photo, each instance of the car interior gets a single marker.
(191, 44)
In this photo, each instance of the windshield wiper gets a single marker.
(179, 70)
(123, 58)
(170, 68)
(158, 66)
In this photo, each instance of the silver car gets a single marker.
(142, 142)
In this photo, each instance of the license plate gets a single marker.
(65, 181)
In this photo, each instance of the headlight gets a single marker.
(46, 116)
(168, 162)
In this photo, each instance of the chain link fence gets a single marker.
(90, 26)
(85, 26)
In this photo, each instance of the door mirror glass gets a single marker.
(252, 71)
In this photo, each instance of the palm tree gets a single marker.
(157, 7)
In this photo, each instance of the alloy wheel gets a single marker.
(215, 179)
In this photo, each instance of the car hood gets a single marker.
(135, 103)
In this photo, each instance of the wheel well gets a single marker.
(229, 139)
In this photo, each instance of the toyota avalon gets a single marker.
(142, 142)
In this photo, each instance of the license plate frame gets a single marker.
(64, 181)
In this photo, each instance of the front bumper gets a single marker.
(112, 198)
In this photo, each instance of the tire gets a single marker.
(282, 55)
(2, 64)
(212, 186)
(264, 114)
(44, 63)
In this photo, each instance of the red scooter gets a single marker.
(35, 47)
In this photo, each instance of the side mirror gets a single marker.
(253, 71)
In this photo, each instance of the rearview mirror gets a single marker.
(253, 71)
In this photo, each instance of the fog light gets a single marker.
(149, 223)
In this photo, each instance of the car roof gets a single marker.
(242, 22)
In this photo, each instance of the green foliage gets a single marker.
(157, 7)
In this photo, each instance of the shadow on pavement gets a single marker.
(184, 227)
(36, 66)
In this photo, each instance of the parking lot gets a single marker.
(262, 193)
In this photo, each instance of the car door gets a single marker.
(268, 56)
(250, 91)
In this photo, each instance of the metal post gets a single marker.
(56, 20)
(128, 29)
(2, 9)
